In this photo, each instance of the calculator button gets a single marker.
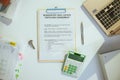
(68, 72)
(65, 68)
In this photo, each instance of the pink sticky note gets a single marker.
(20, 56)
(0, 36)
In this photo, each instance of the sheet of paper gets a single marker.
(56, 34)
(8, 60)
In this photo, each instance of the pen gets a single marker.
(82, 33)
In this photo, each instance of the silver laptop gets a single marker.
(106, 13)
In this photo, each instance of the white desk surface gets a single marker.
(23, 29)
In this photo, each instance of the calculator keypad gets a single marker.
(70, 69)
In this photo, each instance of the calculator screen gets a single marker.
(75, 57)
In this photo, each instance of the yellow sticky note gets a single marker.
(13, 43)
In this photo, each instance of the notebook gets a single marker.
(8, 60)
(106, 13)
(110, 65)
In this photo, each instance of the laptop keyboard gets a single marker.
(110, 14)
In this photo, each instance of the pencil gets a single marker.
(82, 33)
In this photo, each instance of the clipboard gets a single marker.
(55, 33)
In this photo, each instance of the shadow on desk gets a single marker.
(93, 70)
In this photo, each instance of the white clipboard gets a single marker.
(55, 33)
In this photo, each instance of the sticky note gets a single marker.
(17, 70)
(13, 43)
(17, 75)
(20, 56)
(0, 36)
(20, 64)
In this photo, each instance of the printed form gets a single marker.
(56, 34)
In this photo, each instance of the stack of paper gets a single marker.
(110, 65)
(8, 60)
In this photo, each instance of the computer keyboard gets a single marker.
(110, 14)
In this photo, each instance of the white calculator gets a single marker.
(72, 64)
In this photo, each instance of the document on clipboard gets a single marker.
(55, 33)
